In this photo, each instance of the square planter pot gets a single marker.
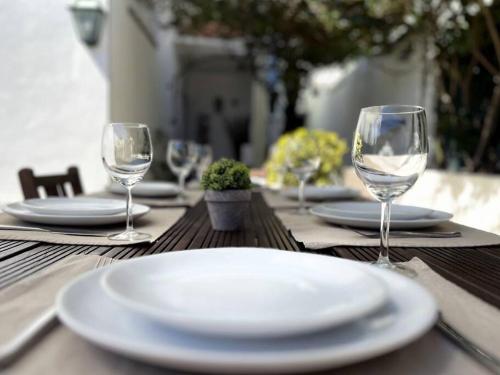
(227, 208)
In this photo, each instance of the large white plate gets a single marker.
(238, 292)
(75, 206)
(321, 193)
(409, 314)
(355, 219)
(19, 211)
(152, 189)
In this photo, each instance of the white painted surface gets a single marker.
(53, 96)
(134, 70)
(337, 93)
(473, 199)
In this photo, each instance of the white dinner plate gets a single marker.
(87, 310)
(371, 210)
(20, 212)
(354, 219)
(321, 193)
(151, 189)
(237, 292)
(75, 206)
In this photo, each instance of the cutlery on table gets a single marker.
(480, 355)
(73, 232)
(34, 331)
(406, 234)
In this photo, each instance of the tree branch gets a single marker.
(490, 23)
(485, 63)
(488, 127)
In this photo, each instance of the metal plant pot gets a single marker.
(227, 208)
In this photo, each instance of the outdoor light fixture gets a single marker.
(88, 16)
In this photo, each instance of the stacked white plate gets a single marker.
(149, 189)
(367, 215)
(321, 193)
(246, 310)
(73, 211)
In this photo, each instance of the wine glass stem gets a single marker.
(302, 185)
(384, 232)
(130, 223)
(182, 181)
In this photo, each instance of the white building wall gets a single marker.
(53, 95)
(337, 93)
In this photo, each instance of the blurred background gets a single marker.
(237, 74)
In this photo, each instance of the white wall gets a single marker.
(337, 93)
(134, 71)
(53, 95)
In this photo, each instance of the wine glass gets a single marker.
(389, 154)
(181, 157)
(127, 154)
(303, 161)
(204, 158)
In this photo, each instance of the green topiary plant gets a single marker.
(226, 174)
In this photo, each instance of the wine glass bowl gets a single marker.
(204, 158)
(127, 154)
(389, 154)
(181, 158)
(303, 161)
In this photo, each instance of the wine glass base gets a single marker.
(130, 236)
(396, 267)
(301, 211)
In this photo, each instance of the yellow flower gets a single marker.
(332, 149)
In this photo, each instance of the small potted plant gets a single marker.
(227, 193)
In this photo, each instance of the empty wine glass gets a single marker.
(127, 154)
(303, 160)
(389, 154)
(181, 157)
(204, 158)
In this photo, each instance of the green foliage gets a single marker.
(461, 39)
(226, 174)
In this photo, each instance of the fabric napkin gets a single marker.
(314, 233)
(155, 222)
(24, 301)
(468, 314)
(62, 351)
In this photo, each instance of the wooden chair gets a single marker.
(57, 185)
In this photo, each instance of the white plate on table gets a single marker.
(20, 212)
(372, 210)
(321, 193)
(410, 313)
(151, 189)
(356, 214)
(75, 206)
(238, 292)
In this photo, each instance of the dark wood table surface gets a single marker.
(474, 269)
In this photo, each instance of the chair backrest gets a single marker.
(57, 185)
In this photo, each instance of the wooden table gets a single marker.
(474, 269)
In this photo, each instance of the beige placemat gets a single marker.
(317, 234)
(155, 222)
(61, 351)
(468, 314)
(275, 200)
(24, 301)
(191, 197)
